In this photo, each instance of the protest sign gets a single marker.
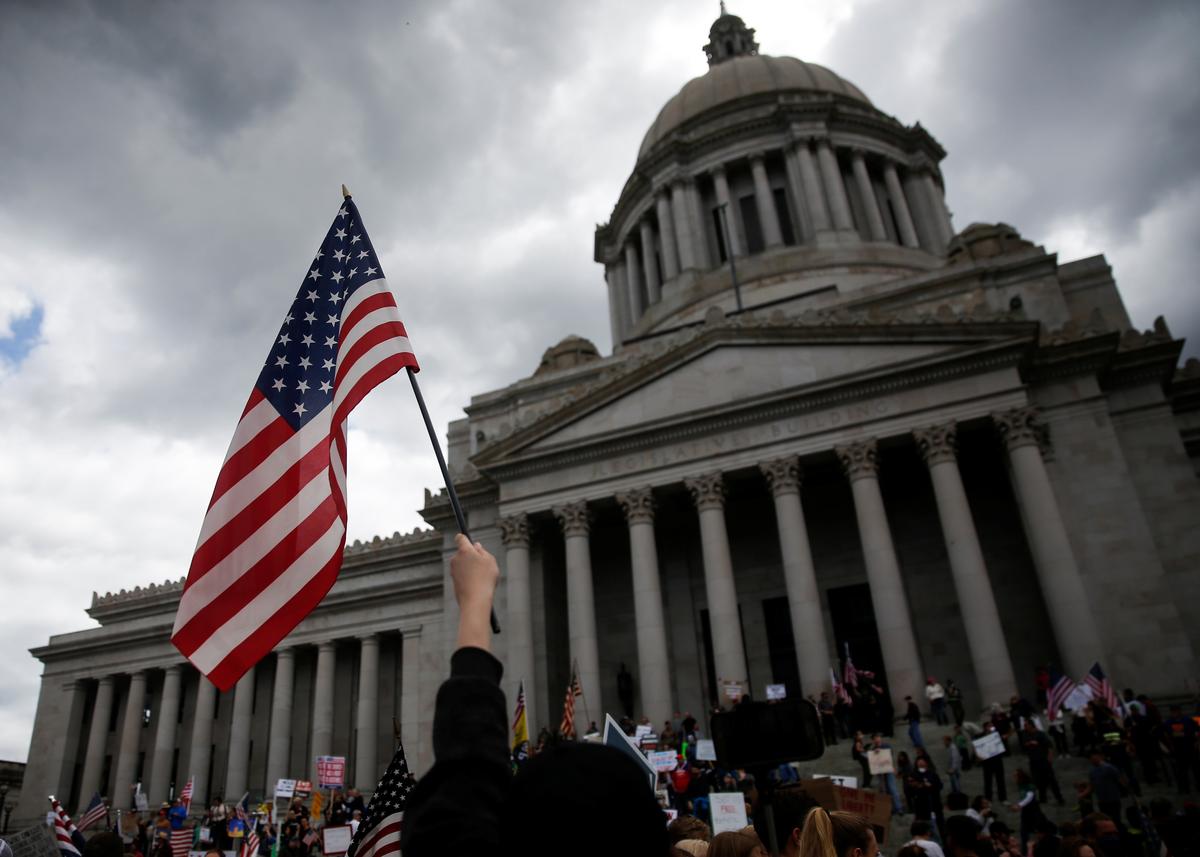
(875, 807)
(728, 811)
(1078, 698)
(205, 834)
(36, 841)
(844, 782)
(337, 839)
(285, 788)
(331, 771)
(616, 738)
(733, 690)
(303, 788)
(663, 760)
(706, 751)
(987, 746)
(880, 761)
(777, 691)
(641, 731)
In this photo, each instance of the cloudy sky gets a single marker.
(168, 170)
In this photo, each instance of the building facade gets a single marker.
(829, 421)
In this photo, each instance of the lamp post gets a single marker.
(737, 291)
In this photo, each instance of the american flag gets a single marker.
(1101, 688)
(70, 840)
(185, 796)
(1060, 688)
(181, 842)
(520, 726)
(379, 833)
(839, 689)
(272, 539)
(95, 811)
(567, 727)
(250, 843)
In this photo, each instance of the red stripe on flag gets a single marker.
(243, 462)
(374, 336)
(386, 368)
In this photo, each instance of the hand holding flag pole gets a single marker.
(437, 450)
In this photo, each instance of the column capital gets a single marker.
(783, 474)
(719, 169)
(106, 679)
(514, 530)
(574, 518)
(937, 443)
(708, 490)
(411, 633)
(327, 646)
(1021, 427)
(638, 505)
(757, 158)
(859, 459)
(173, 668)
(858, 153)
(286, 652)
(371, 638)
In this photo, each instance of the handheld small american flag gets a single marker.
(95, 811)
(379, 833)
(1056, 695)
(250, 843)
(839, 689)
(185, 796)
(272, 540)
(567, 727)
(1101, 687)
(181, 842)
(70, 840)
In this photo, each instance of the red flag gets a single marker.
(272, 540)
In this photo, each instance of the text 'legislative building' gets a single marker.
(943, 448)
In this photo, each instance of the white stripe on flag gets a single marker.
(367, 362)
(255, 420)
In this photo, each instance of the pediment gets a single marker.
(730, 369)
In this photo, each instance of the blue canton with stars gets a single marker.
(298, 375)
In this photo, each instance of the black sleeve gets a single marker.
(455, 807)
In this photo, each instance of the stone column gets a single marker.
(981, 618)
(666, 234)
(888, 598)
(581, 607)
(705, 257)
(708, 493)
(866, 192)
(322, 717)
(621, 286)
(410, 697)
(633, 284)
(683, 226)
(366, 766)
(811, 185)
(201, 751)
(764, 200)
(1062, 586)
(731, 218)
(904, 222)
(131, 731)
(918, 206)
(93, 760)
(937, 207)
(835, 188)
(799, 575)
(514, 534)
(616, 324)
(803, 226)
(237, 766)
(279, 743)
(654, 670)
(649, 263)
(164, 737)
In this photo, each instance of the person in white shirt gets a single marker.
(936, 694)
(981, 813)
(922, 837)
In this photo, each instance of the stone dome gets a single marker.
(741, 76)
(570, 352)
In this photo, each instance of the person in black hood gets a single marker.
(470, 803)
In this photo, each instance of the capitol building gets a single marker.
(831, 418)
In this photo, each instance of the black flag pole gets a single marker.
(437, 450)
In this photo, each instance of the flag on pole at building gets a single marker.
(96, 810)
(520, 726)
(70, 840)
(1102, 688)
(185, 796)
(272, 539)
(181, 842)
(379, 832)
(567, 727)
(1060, 688)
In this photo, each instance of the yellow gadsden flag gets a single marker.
(318, 802)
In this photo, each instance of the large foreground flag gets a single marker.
(272, 540)
(70, 840)
(379, 833)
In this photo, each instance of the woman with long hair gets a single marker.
(837, 834)
(737, 843)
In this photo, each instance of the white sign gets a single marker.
(844, 782)
(728, 811)
(988, 745)
(777, 691)
(880, 761)
(285, 788)
(706, 751)
(663, 760)
(205, 834)
(1078, 698)
(733, 690)
(641, 731)
(337, 839)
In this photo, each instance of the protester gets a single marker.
(936, 695)
(470, 803)
(926, 791)
(828, 723)
(1027, 804)
(736, 843)
(961, 838)
(1181, 733)
(922, 837)
(688, 827)
(954, 698)
(993, 770)
(1040, 753)
(887, 782)
(1100, 831)
(954, 764)
(858, 752)
(981, 813)
(1107, 785)
(837, 834)
(913, 715)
